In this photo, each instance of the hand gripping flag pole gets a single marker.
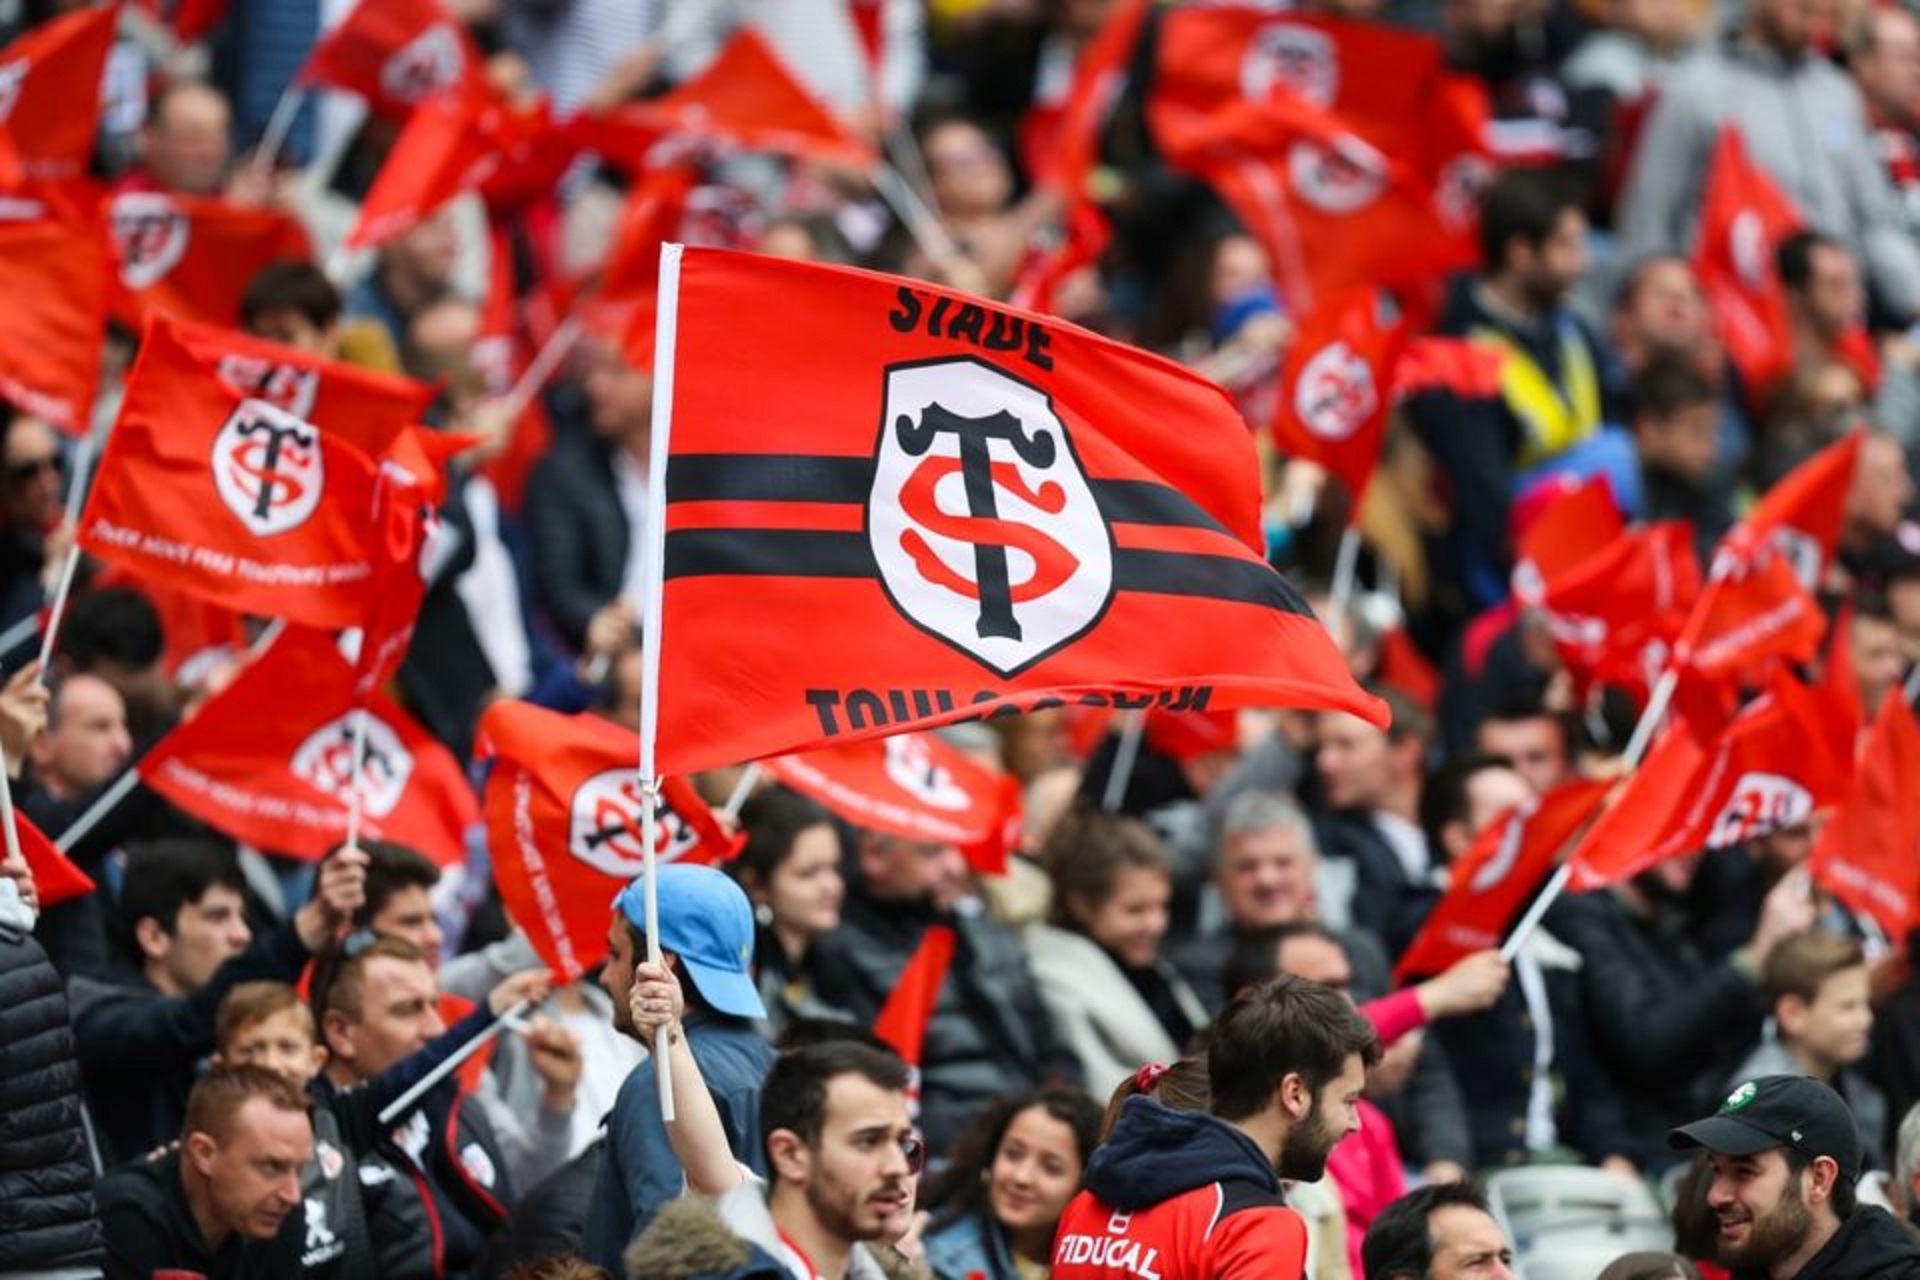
(652, 586)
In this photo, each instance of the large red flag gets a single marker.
(50, 334)
(902, 1020)
(1336, 389)
(394, 53)
(50, 81)
(1506, 863)
(231, 497)
(1800, 516)
(915, 786)
(1868, 854)
(501, 356)
(1022, 527)
(563, 825)
(746, 96)
(1335, 211)
(1743, 219)
(193, 258)
(268, 760)
(1064, 155)
(444, 150)
(1625, 839)
(55, 878)
(1573, 520)
(1615, 614)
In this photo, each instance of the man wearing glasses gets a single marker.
(843, 1160)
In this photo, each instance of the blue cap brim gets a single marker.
(727, 991)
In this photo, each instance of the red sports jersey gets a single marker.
(1215, 1231)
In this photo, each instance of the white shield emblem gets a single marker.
(284, 386)
(1761, 802)
(1343, 178)
(325, 762)
(910, 766)
(425, 65)
(12, 77)
(1303, 60)
(151, 234)
(268, 467)
(1335, 394)
(985, 529)
(1804, 553)
(604, 829)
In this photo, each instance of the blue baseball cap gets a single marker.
(706, 920)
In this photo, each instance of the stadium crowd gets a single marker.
(1182, 1028)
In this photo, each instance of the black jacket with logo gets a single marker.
(150, 1227)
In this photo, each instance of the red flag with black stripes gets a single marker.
(890, 505)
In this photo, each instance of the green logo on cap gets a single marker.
(1739, 1097)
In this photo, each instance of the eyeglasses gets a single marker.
(914, 1148)
(27, 468)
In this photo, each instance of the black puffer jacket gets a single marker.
(47, 1215)
(989, 1033)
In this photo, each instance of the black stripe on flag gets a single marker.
(807, 553)
(753, 477)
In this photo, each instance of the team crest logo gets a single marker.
(268, 467)
(1336, 394)
(325, 762)
(425, 65)
(910, 766)
(1302, 60)
(1761, 802)
(151, 234)
(1456, 194)
(284, 386)
(604, 830)
(331, 1161)
(1804, 553)
(1342, 178)
(985, 528)
(13, 77)
(1740, 1097)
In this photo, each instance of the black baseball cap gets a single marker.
(1779, 1111)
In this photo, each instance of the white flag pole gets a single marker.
(83, 458)
(266, 153)
(653, 544)
(742, 788)
(357, 762)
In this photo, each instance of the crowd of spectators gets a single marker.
(199, 1059)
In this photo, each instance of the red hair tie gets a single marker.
(1148, 1076)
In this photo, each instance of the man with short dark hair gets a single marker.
(227, 1202)
(1785, 1155)
(1534, 246)
(706, 932)
(399, 903)
(1440, 1232)
(1186, 1195)
(139, 1042)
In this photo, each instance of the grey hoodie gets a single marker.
(1804, 124)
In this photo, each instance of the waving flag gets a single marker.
(368, 410)
(1335, 211)
(563, 825)
(1496, 875)
(1744, 218)
(1065, 154)
(1868, 854)
(229, 496)
(917, 787)
(50, 81)
(1615, 614)
(1627, 837)
(1021, 528)
(55, 276)
(268, 760)
(192, 258)
(394, 53)
(1336, 388)
(746, 97)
